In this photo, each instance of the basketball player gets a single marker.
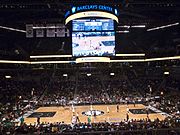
(89, 119)
(147, 113)
(22, 120)
(77, 117)
(107, 109)
(127, 109)
(74, 120)
(134, 102)
(117, 107)
(38, 120)
(94, 113)
(127, 116)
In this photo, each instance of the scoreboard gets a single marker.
(93, 25)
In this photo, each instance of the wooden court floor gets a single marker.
(65, 114)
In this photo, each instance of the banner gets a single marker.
(51, 30)
(40, 31)
(60, 31)
(29, 30)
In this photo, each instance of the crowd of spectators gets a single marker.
(142, 126)
(17, 97)
(90, 90)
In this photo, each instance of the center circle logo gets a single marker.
(93, 113)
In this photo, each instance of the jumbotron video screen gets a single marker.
(93, 37)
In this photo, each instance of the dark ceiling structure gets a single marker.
(152, 13)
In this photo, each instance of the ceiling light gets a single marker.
(135, 54)
(138, 26)
(14, 62)
(65, 75)
(8, 76)
(50, 56)
(112, 74)
(164, 26)
(164, 58)
(129, 60)
(166, 73)
(50, 62)
(89, 74)
(124, 26)
(48, 27)
(12, 29)
(125, 31)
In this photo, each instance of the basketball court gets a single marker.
(104, 113)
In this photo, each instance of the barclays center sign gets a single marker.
(94, 7)
(91, 11)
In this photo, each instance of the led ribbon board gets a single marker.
(84, 11)
(92, 59)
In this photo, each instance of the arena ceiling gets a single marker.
(151, 13)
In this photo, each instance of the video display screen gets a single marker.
(93, 25)
(93, 37)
